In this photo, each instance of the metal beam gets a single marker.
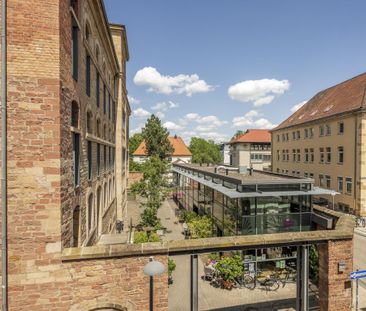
(302, 282)
(194, 282)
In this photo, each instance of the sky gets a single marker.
(208, 68)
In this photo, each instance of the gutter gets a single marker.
(4, 198)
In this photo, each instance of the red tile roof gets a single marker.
(253, 136)
(344, 97)
(180, 148)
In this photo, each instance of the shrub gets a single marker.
(229, 268)
(200, 227)
(141, 237)
(188, 216)
(171, 266)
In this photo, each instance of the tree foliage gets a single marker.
(200, 227)
(205, 151)
(154, 185)
(134, 141)
(229, 268)
(143, 237)
(156, 138)
(237, 134)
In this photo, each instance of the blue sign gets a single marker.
(355, 275)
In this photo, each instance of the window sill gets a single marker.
(340, 163)
(75, 129)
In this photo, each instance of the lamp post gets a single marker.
(333, 194)
(151, 269)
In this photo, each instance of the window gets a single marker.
(306, 175)
(98, 211)
(293, 135)
(306, 155)
(287, 137)
(321, 180)
(87, 75)
(76, 157)
(98, 159)
(109, 157)
(104, 99)
(340, 155)
(74, 114)
(321, 151)
(74, 51)
(278, 138)
(109, 105)
(321, 130)
(340, 184)
(327, 181)
(98, 128)
(329, 154)
(306, 133)
(328, 130)
(298, 136)
(87, 33)
(293, 155)
(311, 155)
(298, 155)
(105, 158)
(97, 88)
(340, 128)
(90, 211)
(311, 132)
(89, 122)
(311, 175)
(90, 160)
(76, 226)
(105, 196)
(287, 155)
(348, 185)
(113, 111)
(278, 155)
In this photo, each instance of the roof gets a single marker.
(180, 148)
(253, 136)
(344, 97)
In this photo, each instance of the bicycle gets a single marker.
(269, 282)
(360, 222)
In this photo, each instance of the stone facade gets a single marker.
(48, 207)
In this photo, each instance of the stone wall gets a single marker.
(335, 291)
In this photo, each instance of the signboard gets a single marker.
(355, 275)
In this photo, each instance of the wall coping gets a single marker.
(344, 228)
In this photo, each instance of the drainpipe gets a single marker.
(4, 198)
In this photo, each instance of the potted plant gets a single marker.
(229, 269)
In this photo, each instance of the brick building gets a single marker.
(67, 157)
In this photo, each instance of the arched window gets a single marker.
(87, 32)
(90, 211)
(99, 214)
(76, 226)
(105, 196)
(98, 128)
(74, 114)
(89, 122)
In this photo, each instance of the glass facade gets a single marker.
(246, 215)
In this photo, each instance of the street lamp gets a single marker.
(333, 194)
(151, 269)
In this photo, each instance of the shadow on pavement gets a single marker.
(276, 305)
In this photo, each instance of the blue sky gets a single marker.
(209, 67)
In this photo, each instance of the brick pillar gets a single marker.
(334, 286)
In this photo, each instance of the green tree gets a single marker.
(156, 138)
(205, 151)
(134, 141)
(200, 227)
(154, 185)
(237, 134)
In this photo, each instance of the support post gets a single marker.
(194, 282)
(302, 282)
(151, 293)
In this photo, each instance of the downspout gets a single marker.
(4, 198)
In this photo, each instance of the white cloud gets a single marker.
(140, 113)
(259, 92)
(136, 129)
(215, 136)
(192, 116)
(133, 100)
(249, 121)
(179, 84)
(172, 126)
(298, 106)
(160, 114)
(204, 123)
(164, 106)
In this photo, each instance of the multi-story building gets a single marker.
(67, 157)
(251, 149)
(325, 140)
(181, 153)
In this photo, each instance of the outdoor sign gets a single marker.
(355, 275)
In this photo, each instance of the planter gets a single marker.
(227, 284)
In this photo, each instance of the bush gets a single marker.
(141, 237)
(189, 216)
(171, 266)
(314, 264)
(229, 268)
(200, 227)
